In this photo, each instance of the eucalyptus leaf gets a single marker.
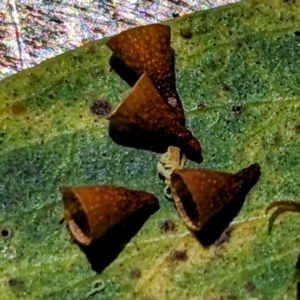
(237, 72)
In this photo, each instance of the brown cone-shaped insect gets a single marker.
(207, 201)
(147, 49)
(91, 211)
(144, 121)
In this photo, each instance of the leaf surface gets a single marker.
(238, 78)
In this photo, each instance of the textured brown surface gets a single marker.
(200, 194)
(95, 209)
(147, 49)
(145, 121)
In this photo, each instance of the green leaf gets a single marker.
(244, 54)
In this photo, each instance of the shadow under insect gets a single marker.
(128, 74)
(217, 224)
(106, 249)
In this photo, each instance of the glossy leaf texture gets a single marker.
(237, 73)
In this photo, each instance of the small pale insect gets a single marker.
(171, 160)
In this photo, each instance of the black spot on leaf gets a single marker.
(237, 109)
(13, 282)
(297, 33)
(201, 106)
(226, 88)
(135, 273)
(18, 108)
(178, 255)
(5, 233)
(186, 34)
(168, 225)
(250, 286)
(297, 128)
(100, 108)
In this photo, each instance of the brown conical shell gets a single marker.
(144, 121)
(201, 195)
(147, 49)
(91, 211)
